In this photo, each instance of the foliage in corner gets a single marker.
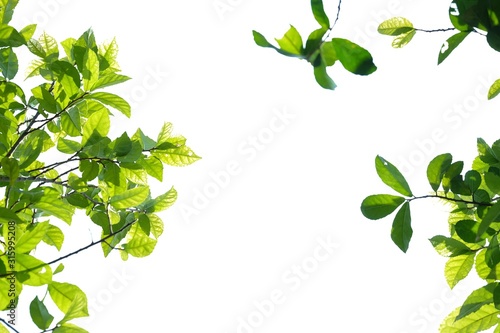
(321, 52)
(474, 224)
(66, 120)
(467, 16)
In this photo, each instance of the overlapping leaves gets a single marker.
(321, 52)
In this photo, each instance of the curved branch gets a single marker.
(9, 325)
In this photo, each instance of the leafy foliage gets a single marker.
(321, 52)
(68, 116)
(474, 226)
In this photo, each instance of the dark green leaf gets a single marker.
(401, 231)
(319, 13)
(493, 38)
(8, 63)
(436, 169)
(492, 256)
(472, 180)
(491, 216)
(450, 45)
(454, 170)
(39, 314)
(353, 57)
(377, 206)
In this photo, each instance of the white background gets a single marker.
(231, 249)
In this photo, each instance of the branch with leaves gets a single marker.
(70, 114)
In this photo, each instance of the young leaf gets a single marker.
(262, 41)
(130, 198)
(291, 42)
(484, 318)
(353, 57)
(112, 100)
(457, 268)
(451, 44)
(401, 231)
(494, 89)
(391, 176)
(70, 299)
(436, 169)
(395, 26)
(377, 206)
(30, 239)
(139, 244)
(319, 13)
(39, 314)
(403, 39)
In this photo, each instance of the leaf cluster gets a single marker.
(320, 51)
(474, 226)
(66, 120)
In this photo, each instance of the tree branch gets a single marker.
(71, 253)
(450, 199)
(8, 325)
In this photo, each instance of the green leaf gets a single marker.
(96, 127)
(476, 300)
(454, 170)
(67, 75)
(112, 100)
(10, 168)
(457, 268)
(467, 230)
(52, 204)
(59, 268)
(49, 46)
(6, 10)
(391, 176)
(401, 231)
(7, 215)
(395, 26)
(353, 57)
(328, 54)
(492, 182)
(493, 37)
(39, 314)
(450, 45)
(319, 13)
(180, 156)
(480, 320)
(139, 244)
(492, 255)
(130, 198)
(377, 206)
(323, 79)
(54, 236)
(291, 42)
(10, 37)
(314, 41)
(449, 247)
(403, 39)
(30, 239)
(473, 180)
(69, 328)
(36, 276)
(491, 216)
(109, 80)
(71, 122)
(153, 167)
(436, 169)
(70, 299)
(494, 89)
(261, 41)
(9, 64)
(90, 71)
(68, 146)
